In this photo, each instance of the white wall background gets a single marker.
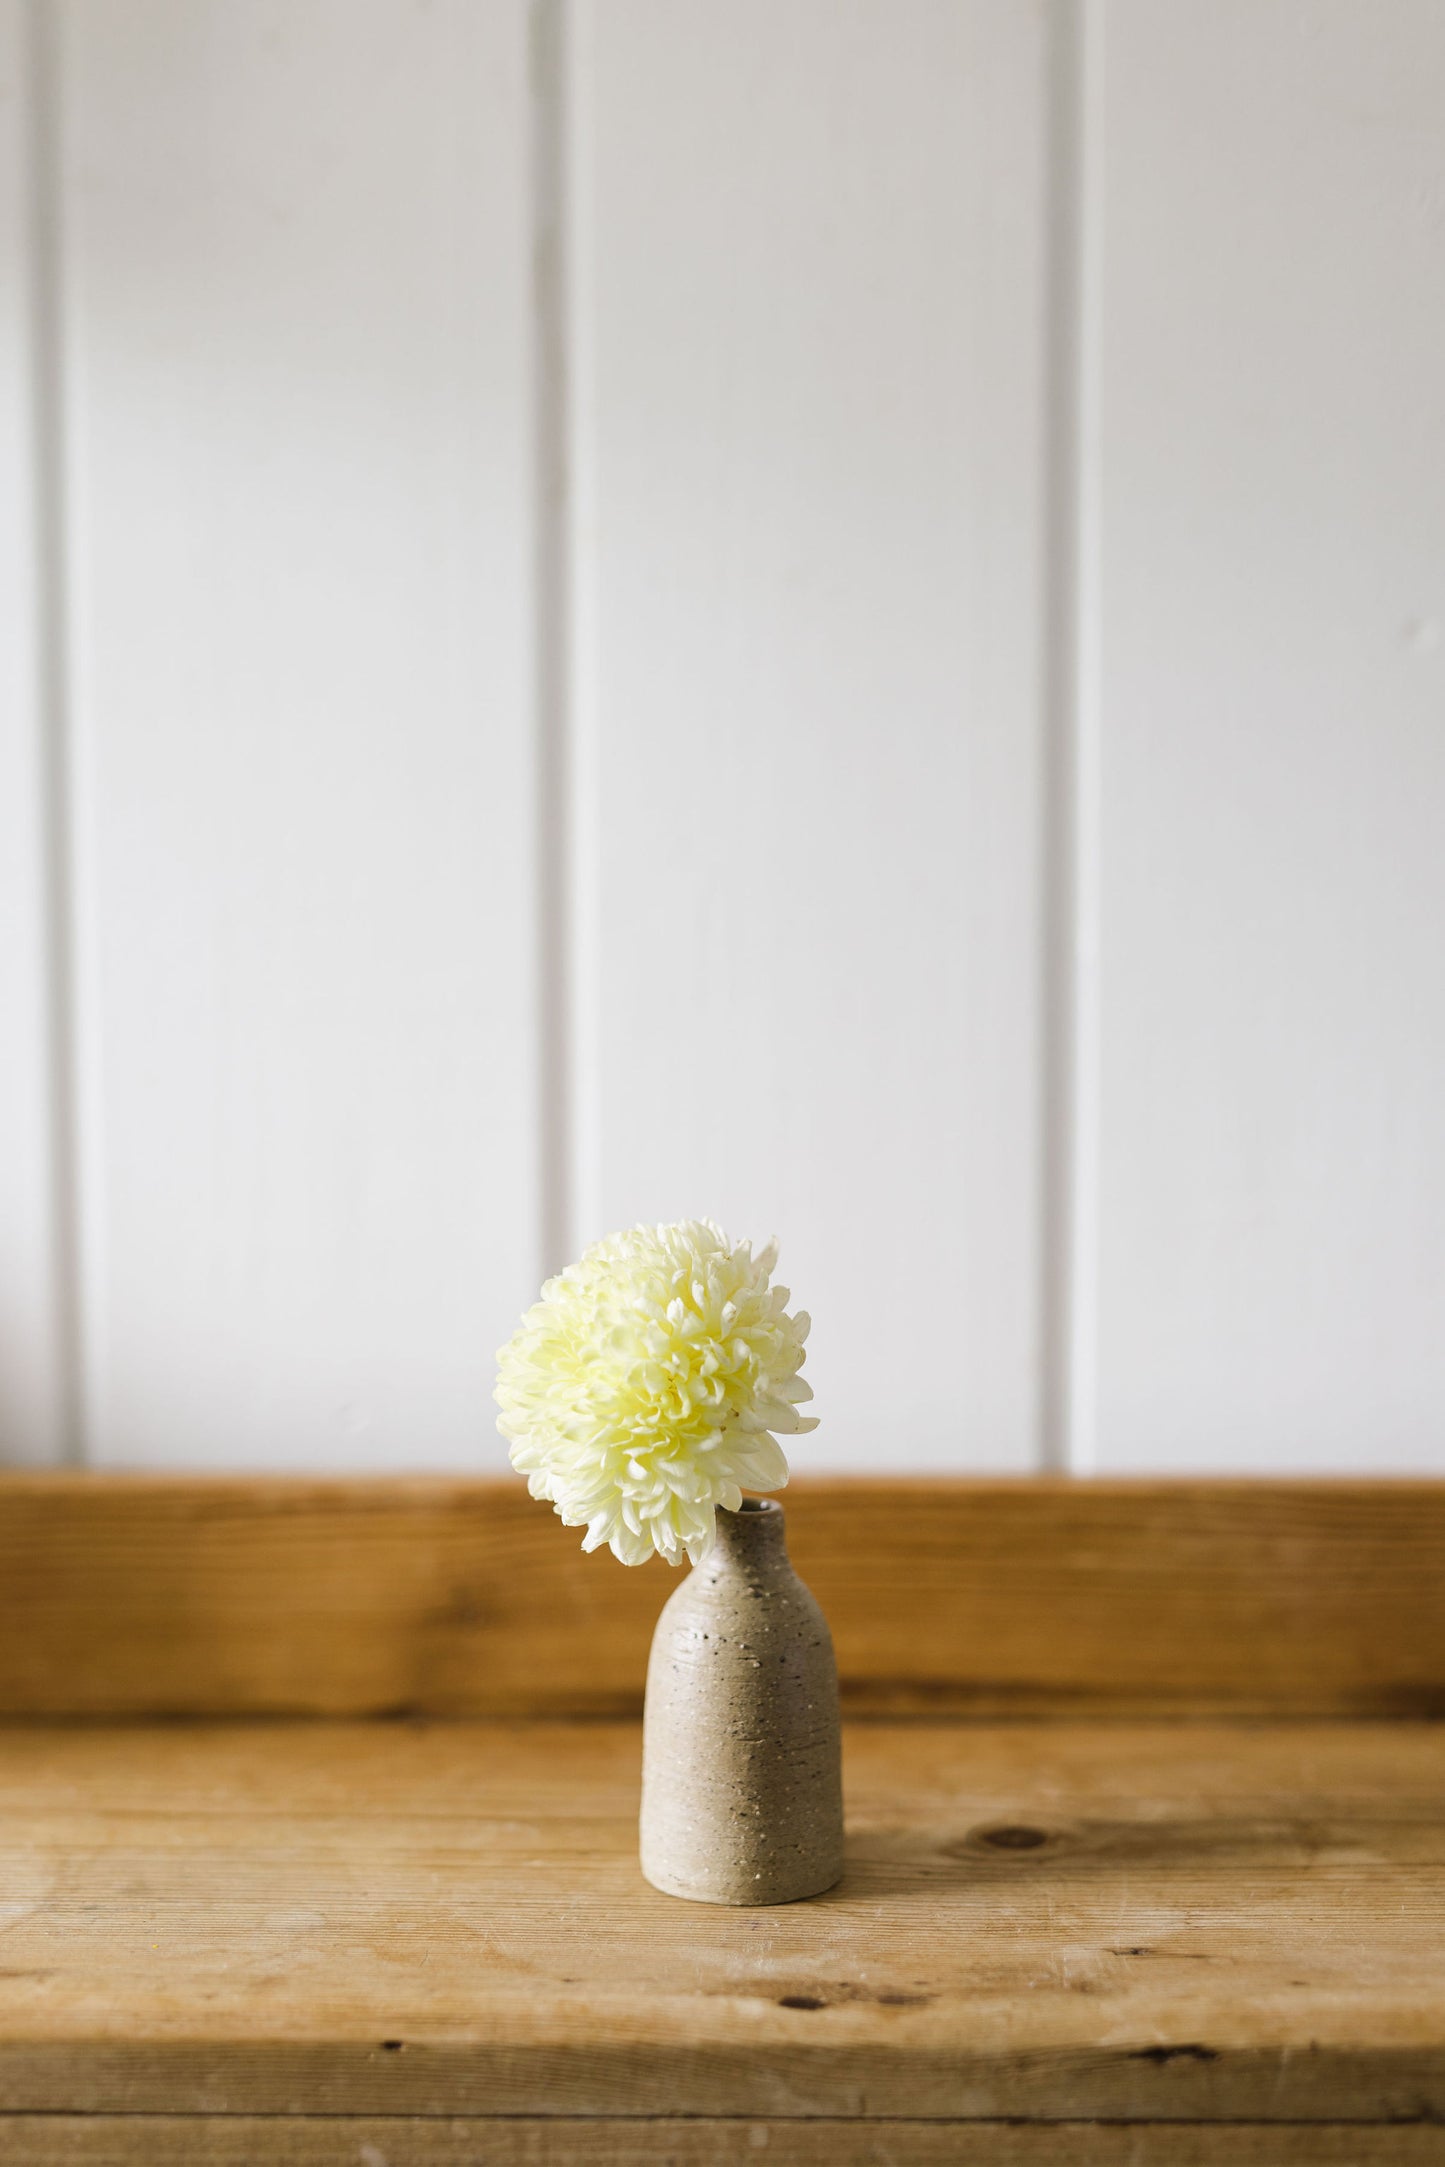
(829, 612)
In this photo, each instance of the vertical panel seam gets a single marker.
(585, 888)
(552, 752)
(1071, 815)
(42, 91)
(1085, 1224)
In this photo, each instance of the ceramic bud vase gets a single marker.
(742, 1796)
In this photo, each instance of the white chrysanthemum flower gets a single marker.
(643, 1389)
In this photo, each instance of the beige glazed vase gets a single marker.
(742, 1794)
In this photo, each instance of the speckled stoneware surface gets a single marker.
(742, 1794)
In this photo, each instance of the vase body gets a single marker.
(742, 1795)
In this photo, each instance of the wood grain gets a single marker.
(136, 1595)
(1157, 1922)
(147, 2140)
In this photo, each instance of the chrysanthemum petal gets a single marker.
(644, 1389)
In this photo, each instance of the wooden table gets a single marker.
(276, 1933)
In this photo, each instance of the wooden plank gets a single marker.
(808, 447)
(344, 2140)
(33, 1387)
(1038, 1921)
(1271, 552)
(297, 284)
(194, 1596)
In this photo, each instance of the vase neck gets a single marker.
(753, 1537)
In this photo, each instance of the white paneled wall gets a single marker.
(808, 264)
(1270, 473)
(830, 612)
(296, 297)
(36, 1365)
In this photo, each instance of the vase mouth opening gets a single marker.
(757, 1509)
